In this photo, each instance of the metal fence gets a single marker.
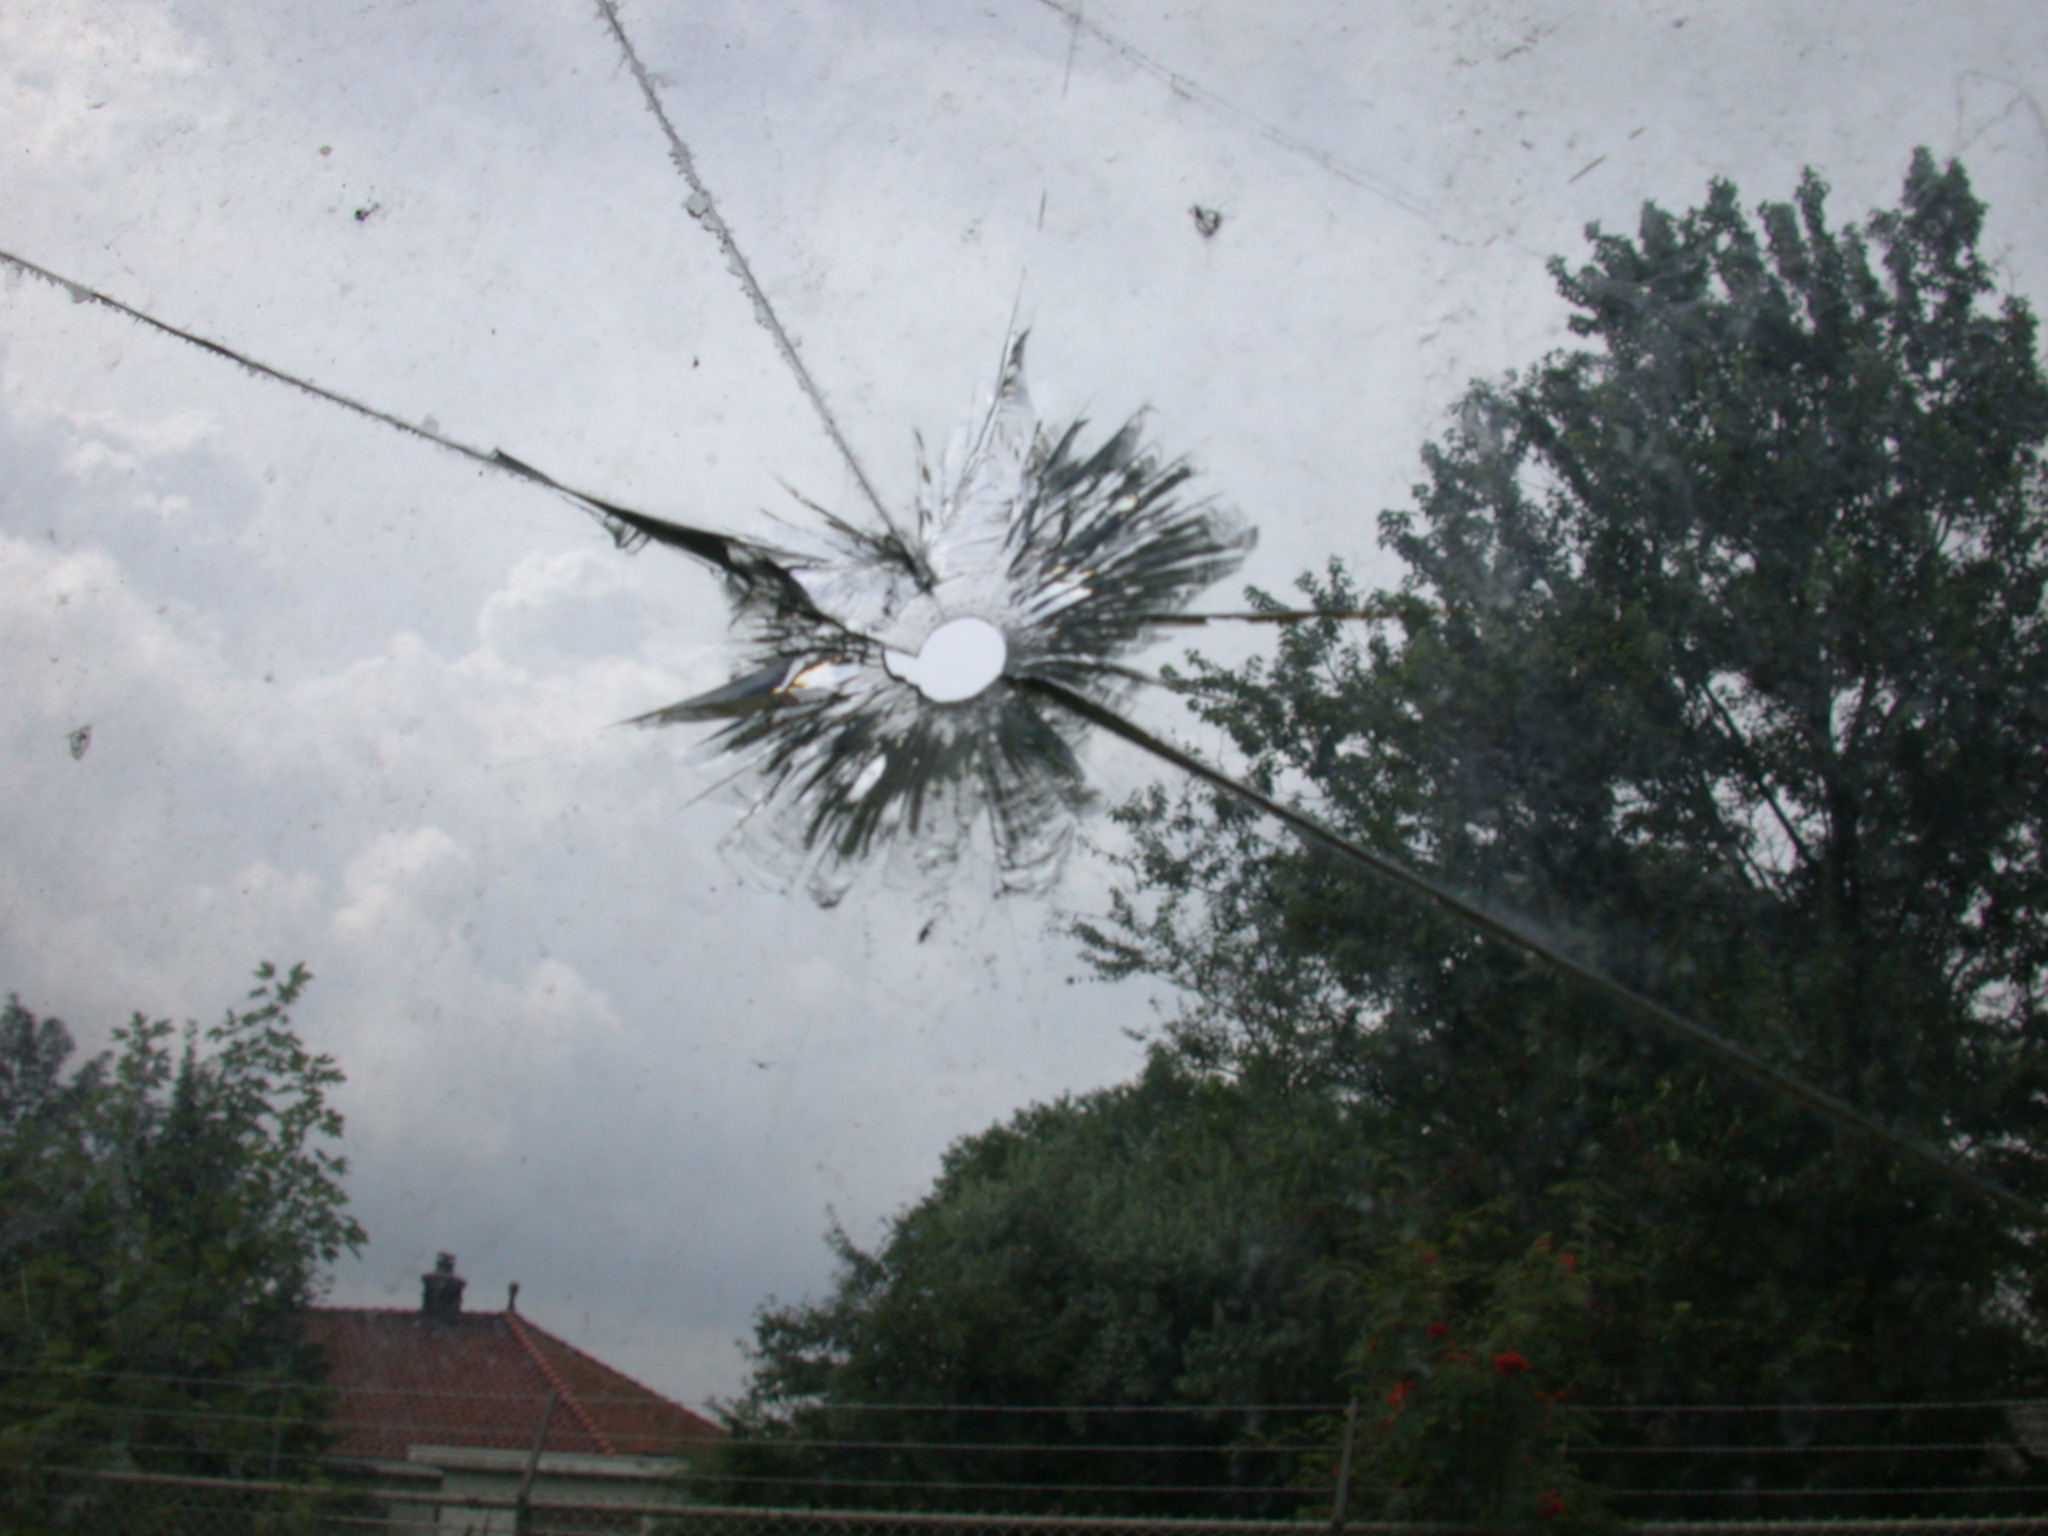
(156, 1504)
(164, 1456)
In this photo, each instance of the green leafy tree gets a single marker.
(166, 1210)
(1470, 1362)
(1720, 654)
(1074, 1283)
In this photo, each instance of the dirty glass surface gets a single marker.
(288, 684)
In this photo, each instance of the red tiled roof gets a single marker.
(482, 1379)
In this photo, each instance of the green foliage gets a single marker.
(1160, 1245)
(1720, 655)
(165, 1212)
(1467, 1350)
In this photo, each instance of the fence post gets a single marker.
(519, 1505)
(276, 1428)
(1344, 1467)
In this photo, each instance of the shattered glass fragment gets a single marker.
(880, 707)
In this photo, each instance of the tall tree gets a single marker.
(1079, 1316)
(1720, 654)
(166, 1210)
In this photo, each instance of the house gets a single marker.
(439, 1406)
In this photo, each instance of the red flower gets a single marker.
(1511, 1362)
(1570, 1261)
(1550, 1506)
(1438, 1330)
(1400, 1393)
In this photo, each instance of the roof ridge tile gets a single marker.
(519, 1327)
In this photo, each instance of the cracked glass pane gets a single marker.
(332, 676)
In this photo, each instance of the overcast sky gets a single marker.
(349, 694)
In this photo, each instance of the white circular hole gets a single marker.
(960, 658)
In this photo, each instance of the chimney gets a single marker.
(441, 1291)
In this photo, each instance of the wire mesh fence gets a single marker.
(139, 1456)
(152, 1504)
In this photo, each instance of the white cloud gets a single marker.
(78, 74)
(391, 882)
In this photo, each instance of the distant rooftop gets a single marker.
(442, 1376)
